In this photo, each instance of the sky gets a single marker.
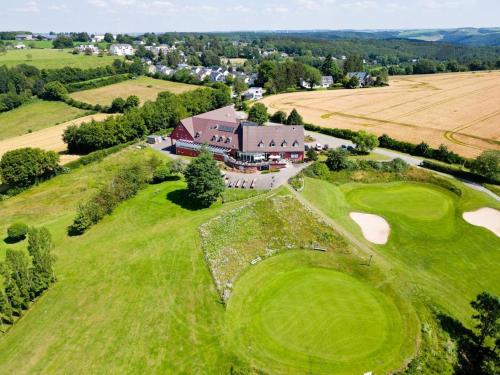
(97, 16)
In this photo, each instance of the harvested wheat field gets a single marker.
(48, 138)
(145, 88)
(461, 110)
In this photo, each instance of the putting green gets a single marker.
(284, 317)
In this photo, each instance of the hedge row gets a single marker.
(96, 83)
(96, 156)
(457, 172)
(422, 149)
(87, 106)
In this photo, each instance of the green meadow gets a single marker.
(53, 59)
(34, 116)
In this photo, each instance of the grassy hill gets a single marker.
(53, 59)
(35, 116)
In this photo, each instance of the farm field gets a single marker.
(48, 139)
(447, 259)
(53, 59)
(460, 110)
(145, 88)
(34, 116)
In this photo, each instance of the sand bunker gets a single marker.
(375, 228)
(485, 217)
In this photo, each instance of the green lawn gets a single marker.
(53, 58)
(289, 316)
(433, 250)
(35, 116)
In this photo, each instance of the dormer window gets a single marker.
(221, 138)
(198, 135)
(261, 144)
(272, 144)
(228, 140)
(284, 144)
(295, 143)
(214, 138)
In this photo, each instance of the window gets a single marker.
(272, 144)
(198, 135)
(294, 156)
(284, 144)
(228, 140)
(295, 143)
(214, 138)
(261, 144)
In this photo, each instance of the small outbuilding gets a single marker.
(154, 139)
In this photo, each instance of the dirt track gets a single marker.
(461, 110)
(48, 138)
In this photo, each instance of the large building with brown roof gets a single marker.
(239, 142)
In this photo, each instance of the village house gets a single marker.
(240, 144)
(253, 93)
(364, 78)
(121, 50)
(326, 81)
(24, 37)
(83, 48)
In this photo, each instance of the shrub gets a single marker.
(55, 91)
(311, 154)
(17, 232)
(258, 113)
(317, 170)
(162, 173)
(488, 165)
(337, 159)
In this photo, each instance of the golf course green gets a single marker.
(431, 247)
(286, 316)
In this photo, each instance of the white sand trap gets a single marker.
(485, 217)
(375, 228)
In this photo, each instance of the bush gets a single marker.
(17, 232)
(337, 159)
(55, 91)
(258, 114)
(96, 83)
(457, 172)
(27, 166)
(488, 165)
(162, 173)
(317, 170)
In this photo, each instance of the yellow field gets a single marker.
(49, 139)
(145, 88)
(461, 110)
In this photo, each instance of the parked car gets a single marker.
(326, 147)
(318, 147)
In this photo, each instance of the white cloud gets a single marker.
(98, 3)
(239, 8)
(276, 9)
(124, 2)
(28, 7)
(57, 7)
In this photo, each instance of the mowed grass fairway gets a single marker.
(460, 110)
(286, 316)
(145, 88)
(54, 59)
(433, 250)
(35, 116)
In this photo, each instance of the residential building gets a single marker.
(24, 37)
(364, 78)
(121, 50)
(253, 93)
(239, 143)
(83, 48)
(326, 81)
(97, 38)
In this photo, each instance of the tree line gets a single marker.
(26, 277)
(152, 117)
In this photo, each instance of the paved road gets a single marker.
(333, 142)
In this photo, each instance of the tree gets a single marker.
(117, 105)
(17, 232)
(294, 118)
(364, 141)
(258, 113)
(204, 180)
(351, 83)
(311, 154)
(40, 246)
(177, 166)
(312, 76)
(279, 117)
(26, 166)
(337, 159)
(5, 309)
(131, 102)
(424, 66)
(487, 307)
(239, 86)
(353, 63)
(331, 68)
(18, 279)
(136, 68)
(108, 38)
(62, 41)
(54, 90)
(488, 165)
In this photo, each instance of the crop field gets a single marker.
(460, 110)
(145, 88)
(48, 138)
(53, 59)
(35, 116)
(447, 259)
